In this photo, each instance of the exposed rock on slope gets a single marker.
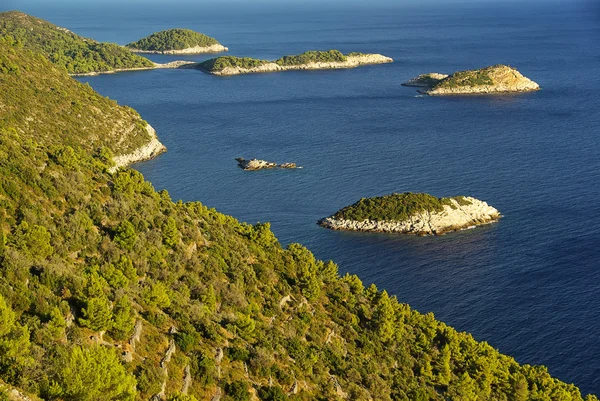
(495, 79)
(145, 152)
(451, 215)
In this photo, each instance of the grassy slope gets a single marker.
(469, 78)
(64, 48)
(71, 233)
(173, 39)
(394, 207)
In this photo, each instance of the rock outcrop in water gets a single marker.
(408, 213)
(494, 79)
(256, 164)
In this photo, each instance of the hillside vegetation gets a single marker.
(330, 56)
(395, 207)
(39, 102)
(483, 76)
(109, 290)
(173, 39)
(220, 63)
(64, 48)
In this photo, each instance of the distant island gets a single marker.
(310, 60)
(494, 79)
(78, 55)
(412, 213)
(177, 41)
(256, 164)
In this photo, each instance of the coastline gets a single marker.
(145, 152)
(157, 66)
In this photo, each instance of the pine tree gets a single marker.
(384, 317)
(124, 318)
(125, 235)
(95, 374)
(98, 315)
(170, 233)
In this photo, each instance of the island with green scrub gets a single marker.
(494, 79)
(310, 60)
(78, 55)
(412, 213)
(177, 41)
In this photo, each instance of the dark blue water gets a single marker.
(528, 285)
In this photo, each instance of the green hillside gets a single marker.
(173, 39)
(64, 48)
(109, 290)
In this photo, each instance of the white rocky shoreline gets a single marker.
(453, 218)
(216, 48)
(148, 151)
(351, 62)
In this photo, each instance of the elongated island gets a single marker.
(310, 60)
(494, 79)
(412, 213)
(177, 41)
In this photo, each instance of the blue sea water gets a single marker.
(530, 284)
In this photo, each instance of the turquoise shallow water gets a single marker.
(528, 285)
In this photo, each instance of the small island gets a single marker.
(310, 60)
(256, 164)
(177, 41)
(494, 79)
(412, 213)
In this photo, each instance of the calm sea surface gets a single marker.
(529, 285)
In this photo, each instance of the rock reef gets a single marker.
(458, 214)
(256, 164)
(493, 79)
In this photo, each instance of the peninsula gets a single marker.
(494, 79)
(177, 41)
(412, 213)
(310, 60)
(78, 55)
